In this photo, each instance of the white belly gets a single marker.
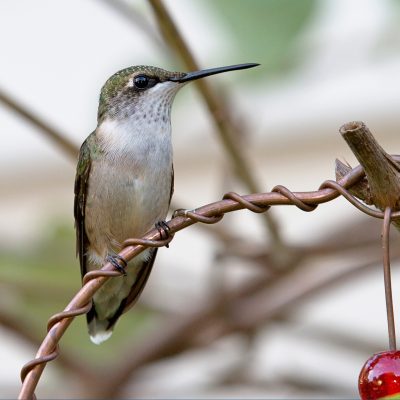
(123, 203)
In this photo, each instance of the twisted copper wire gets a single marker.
(357, 203)
(67, 314)
(210, 214)
(97, 274)
(195, 217)
(245, 203)
(295, 200)
(37, 361)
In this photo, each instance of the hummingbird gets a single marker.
(124, 183)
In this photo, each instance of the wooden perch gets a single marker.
(361, 189)
(381, 186)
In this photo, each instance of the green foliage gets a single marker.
(265, 31)
(40, 281)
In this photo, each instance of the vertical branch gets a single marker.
(215, 105)
(381, 170)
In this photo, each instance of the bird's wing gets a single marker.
(81, 188)
(171, 192)
(145, 268)
(140, 282)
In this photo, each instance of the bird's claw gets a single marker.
(115, 260)
(163, 230)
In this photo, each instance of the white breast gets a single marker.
(130, 185)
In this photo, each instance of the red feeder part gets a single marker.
(380, 376)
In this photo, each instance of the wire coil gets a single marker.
(210, 214)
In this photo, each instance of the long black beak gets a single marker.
(191, 76)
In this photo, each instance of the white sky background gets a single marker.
(55, 56)
(60, 53)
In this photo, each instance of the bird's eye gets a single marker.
(141, 81)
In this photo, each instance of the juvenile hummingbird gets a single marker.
(124, 182)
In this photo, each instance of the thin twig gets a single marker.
(45, 128)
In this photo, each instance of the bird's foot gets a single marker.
(116, 261)
(163, 230)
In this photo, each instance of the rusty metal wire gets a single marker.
(387, 278)
(208, 214)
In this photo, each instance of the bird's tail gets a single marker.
(99, 330)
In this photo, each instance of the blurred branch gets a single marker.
(358, 237)
(343, 340)
(243, 309)
(72, 364)
(135, 18)
(50, 132)
(219, 316)
(217, 108)
(313, 387)
(286, 382)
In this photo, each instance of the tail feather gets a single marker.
(101, 329)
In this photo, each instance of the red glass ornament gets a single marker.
(380, 376)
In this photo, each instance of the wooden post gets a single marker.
(382, 172)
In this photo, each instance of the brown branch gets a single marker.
(217, 108)
(136, 19)
(360, 237)
(71, 363)
(331, 335)
(50, 132)
(381, 170)
(361, 190)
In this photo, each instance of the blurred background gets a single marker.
(310, 293)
